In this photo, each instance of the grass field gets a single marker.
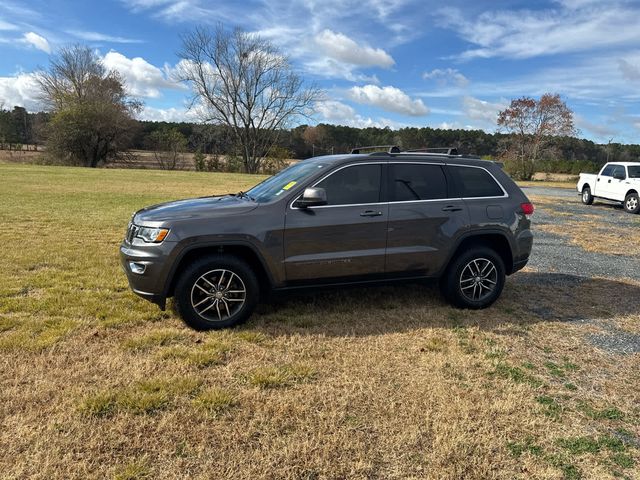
(386, 383)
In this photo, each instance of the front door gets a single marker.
(346, 237)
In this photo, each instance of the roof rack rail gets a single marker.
(377, 149)
(443, 151)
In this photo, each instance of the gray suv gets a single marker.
(333, 220)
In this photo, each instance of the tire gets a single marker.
(587, 198)
(632, 203)
(459, 284)
(218, 291)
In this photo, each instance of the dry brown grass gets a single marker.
(589, 231)
(365, 383)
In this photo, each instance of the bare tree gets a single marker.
(533, 124)
(92, 114)
(169, 147)
(242, 81)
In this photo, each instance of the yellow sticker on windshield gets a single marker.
(289, 185)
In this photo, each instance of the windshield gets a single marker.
(634, 171)
(285, 180)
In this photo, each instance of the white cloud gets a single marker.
(571, 26)
(480, 110)
(20, 90)
(344, 49)
(446, 76)
(38, 41)
(167, 114)
(101, 37)
(7, 26)
(338, 113)
(141, 78)
(598, 129)
(388, 98)
(629, 71)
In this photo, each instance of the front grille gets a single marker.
(132, 230)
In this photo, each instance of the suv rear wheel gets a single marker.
(474, 279)
(216, 292)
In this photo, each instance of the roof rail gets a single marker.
(378, 148)
(443, 151)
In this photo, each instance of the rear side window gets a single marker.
(474, 182)
(353, 185)
(417, 182)
(608, 171)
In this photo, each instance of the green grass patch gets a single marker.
(210, 353)
(280, 376)
(551, 407)
(515, 374)
(35, 334)
(215, 400)
(136, 470)
(607, 413)
(142, 397)
(527, 446)
(582, 445)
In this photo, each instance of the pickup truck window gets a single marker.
(619, 171)
(418, 182)
(634, 171)
(608, 171)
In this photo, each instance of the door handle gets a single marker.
(451, 208)
(370, 213)
(609, 181)
(598, 180)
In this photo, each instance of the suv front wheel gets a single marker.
(215, 292)
(474, 279)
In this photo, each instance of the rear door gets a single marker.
(345, 238)
(423, 220)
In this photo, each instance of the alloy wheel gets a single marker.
(478, 279)
(218, 295)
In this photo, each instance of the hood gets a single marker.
(204, 207)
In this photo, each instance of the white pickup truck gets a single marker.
(618, 182)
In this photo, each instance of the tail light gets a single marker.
(527, 209)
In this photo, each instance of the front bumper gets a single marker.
(149, 284)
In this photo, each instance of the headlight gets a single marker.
(152, 235)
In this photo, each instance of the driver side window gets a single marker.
(356, 184)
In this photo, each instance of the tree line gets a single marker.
(19, 128)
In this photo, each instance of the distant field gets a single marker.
(376, 383)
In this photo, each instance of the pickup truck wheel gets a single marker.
(216, 292)
(587, 198)
(474, 279)
(631, 203)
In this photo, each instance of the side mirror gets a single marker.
(312, 197)
(618, 175)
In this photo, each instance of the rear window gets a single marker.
(634, 171)
(473, 182)
(417, 182)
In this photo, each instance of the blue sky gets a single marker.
(394, 63)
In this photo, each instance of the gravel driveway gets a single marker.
(554, 253)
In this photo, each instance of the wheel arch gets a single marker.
(240, 250)
(494, 240)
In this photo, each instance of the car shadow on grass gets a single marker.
(529, 297)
